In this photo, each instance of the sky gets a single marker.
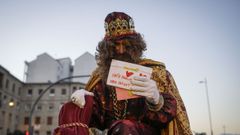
(195, 39)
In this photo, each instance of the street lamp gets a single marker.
(11, 103)
(224, 130)
(209, 110)
(30, 128)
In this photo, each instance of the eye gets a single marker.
(127, 46)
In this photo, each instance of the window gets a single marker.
(7, 83)
(64, 91)
(29, 92)
(10, 117)
(3, 113)
(51, 106)
(74, 89)
(39, 107)
(26, 120)
(49, 120)
(49, 132)
(1, 80)
(37, 120)
(5, 97)
(36, 132)
(52, 92)
(40, 91)
(13, 88)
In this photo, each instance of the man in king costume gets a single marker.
(159, 111)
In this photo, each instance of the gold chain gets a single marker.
(73, 124)
(118, 114)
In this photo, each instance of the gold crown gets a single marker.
(119, 25)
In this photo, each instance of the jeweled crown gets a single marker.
(118, 24)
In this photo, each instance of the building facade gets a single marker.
(17, 97)
(10, 101)
(45, 116)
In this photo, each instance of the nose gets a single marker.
(120, 49)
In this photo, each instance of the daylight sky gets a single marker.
(195, 39)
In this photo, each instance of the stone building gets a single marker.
(10, 101)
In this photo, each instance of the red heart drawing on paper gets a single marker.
(129, 73)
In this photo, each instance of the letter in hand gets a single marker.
(78, 97)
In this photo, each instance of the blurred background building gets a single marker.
(17, 97)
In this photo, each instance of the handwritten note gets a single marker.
(121, 73)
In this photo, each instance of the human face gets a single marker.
(121, 46)
(123, 51)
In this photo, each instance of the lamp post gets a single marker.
(30, 128)
(224, 130)
(209, 110)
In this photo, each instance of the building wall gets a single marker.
(49, 105)
(10, 91)
(47, 69)
(84, 65)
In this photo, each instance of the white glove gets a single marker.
(143, 86)
(78, 97)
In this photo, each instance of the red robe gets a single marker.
(73, 120)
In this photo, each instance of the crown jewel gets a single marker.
(118, 24)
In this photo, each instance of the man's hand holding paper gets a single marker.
(145, 87)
